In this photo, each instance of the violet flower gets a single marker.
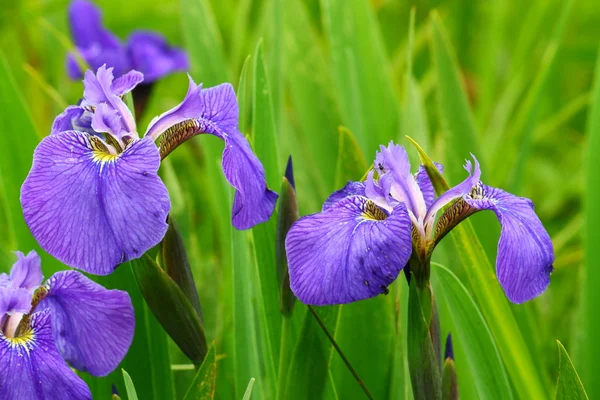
(68, 319)
(367, 231)
(93, 198)
(145, 51)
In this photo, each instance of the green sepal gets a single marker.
(439, 183)
(423, 362)
(203, 386)
(171, 307)
(568, 386)
(175, 262)
(449, 380)
(286, 216)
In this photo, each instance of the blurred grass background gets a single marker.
(520, 104)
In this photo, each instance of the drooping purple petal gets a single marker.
(150, 53)
(457, 191)
(393, 160)
(525, 252)
(32, 368)
(215, 111)
(96, 44)
(425, 184)
(26, 273)
(92, 326)
(92, 210)
(351, 189)
(350, 252)
(98, 89)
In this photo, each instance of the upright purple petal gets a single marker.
(351, 189)
(457, 191)
(96, 44)
(150, 53)
(26, 273)
(215, 111)
(92, 326)
(13, 300)
(525, 252)
(350, 252)
(93, 210)
(32, 368)
(98, 88)
(425, 184)
(393, 160)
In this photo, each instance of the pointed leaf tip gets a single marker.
(449, 349)
(289, 172)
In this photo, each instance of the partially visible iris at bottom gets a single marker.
(68, 319)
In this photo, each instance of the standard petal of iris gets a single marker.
(26, 273)
(14, 300)
(425, 184)
(92, 326)
(525, 252)
(150, 53)
(351, 189)
(92, 210)
(33, 369)
(350, 252)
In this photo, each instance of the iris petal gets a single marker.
(14, 300)
(92, 210)
(351, 189)
(96, 44)
(33, 369)
(92, 326)
(393, 160)
(66, 120)
(98, 88)
(350, 252)
(457, 191)
(26, 273)
(525, 252)
(150, 53)
(425, 184)
(215, 111)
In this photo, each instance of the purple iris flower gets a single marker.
(367, 231)
(68, 319)
(93, 198)
(147, 52)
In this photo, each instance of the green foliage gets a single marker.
(330, 81)
(569, 385)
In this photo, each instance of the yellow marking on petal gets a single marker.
(100, 156)
(100, 152)
(24, 340)
(372, 212)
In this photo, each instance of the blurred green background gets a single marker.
(509, 81)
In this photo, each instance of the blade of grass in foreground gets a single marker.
(592, 238)
(361, 71)
(203, 386)
(265, 145)
(471, 330)
(569, 386)
(18, 139)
